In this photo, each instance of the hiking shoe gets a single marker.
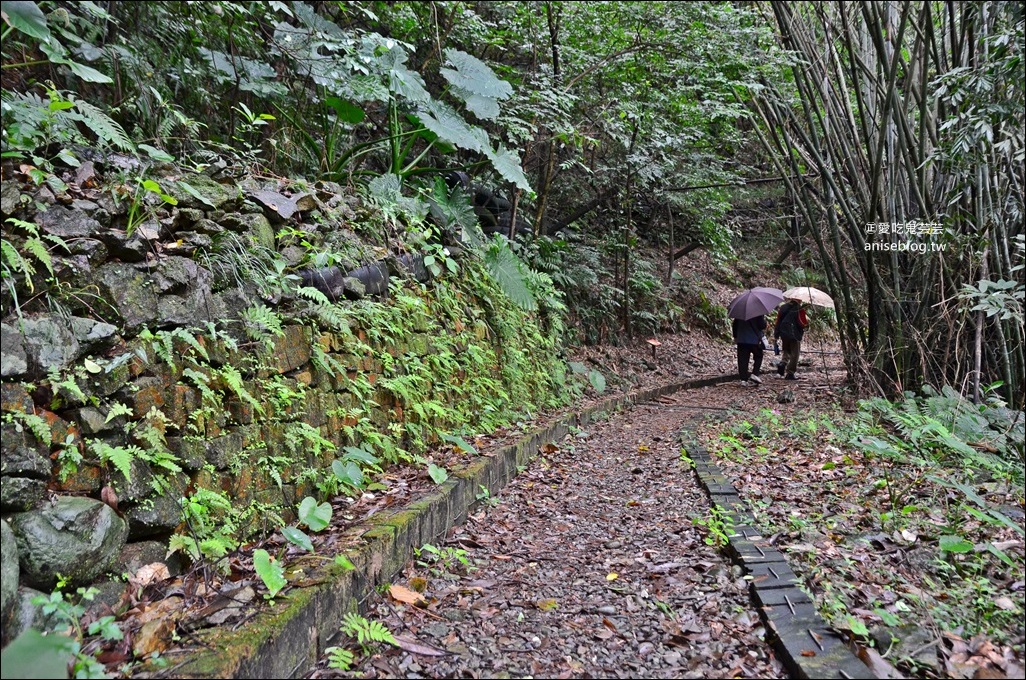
(780, 370)
(790, 376)
(756, 379)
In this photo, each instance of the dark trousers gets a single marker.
(791, 350)
(746, 351)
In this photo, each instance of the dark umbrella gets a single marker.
(754, 302)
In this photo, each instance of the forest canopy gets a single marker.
(609, 125)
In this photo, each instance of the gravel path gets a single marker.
(587, 565)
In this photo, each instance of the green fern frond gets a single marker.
(202, 383)
(329, 314)
(327, 362)
(508, 271)
(35, 424)
(311, 293)
(119, 409)
(192, 341)
(183, 544)
(120, 457)
(260, 321)
(216, 546)
(366, 631)
(233, 379)
(13, 260)
(105, 127)
(39, 251)
(340, 659)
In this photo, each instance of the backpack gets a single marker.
(789, 328)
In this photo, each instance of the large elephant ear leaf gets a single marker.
(449, 125)
(401, 80)
(483, 107)
(507, 164)
(27, 18)
(476, 84)
(473, 75)
(444, 121)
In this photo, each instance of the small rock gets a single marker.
(608, 610)
(436, 630)
(645, 648)
(785, 397)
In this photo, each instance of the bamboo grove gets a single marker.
(604, 117)
(910, 112)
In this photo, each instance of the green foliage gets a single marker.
(437, 473)
(955, 544)
(211, 524)
(35, 251)
(297, 537)
(339, 659)
(263, 324)
(485, 496)
(164, 344)
(593, 377)
(710, 316)
(270, 572)
(442, 560)
(945, 426)
(1002, 298)
(34, 654)
(233, 380)
(54, 655)
(366, 633)
(121, 457)
(718, 526)
(136, 212)
(509, 272)
(35, 424)
(348, 474)
(234, 262)
(315, 515)
(460, 443)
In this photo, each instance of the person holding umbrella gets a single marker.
(792, 320)
(748, 312)
(789, 329)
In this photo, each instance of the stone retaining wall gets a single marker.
(125, 398)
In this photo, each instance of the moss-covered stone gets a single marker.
(214, 195)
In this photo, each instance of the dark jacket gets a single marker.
(749, 332)
(791, 322)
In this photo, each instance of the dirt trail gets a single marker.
(587, 565)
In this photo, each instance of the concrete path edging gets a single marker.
(287, 640)
(801, 637)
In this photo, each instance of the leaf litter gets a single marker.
(588, 565)
(614, 501)
(913, 569)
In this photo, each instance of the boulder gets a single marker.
(13, 358)
(78, 538)
(8, 570)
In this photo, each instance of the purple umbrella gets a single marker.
(754, 302)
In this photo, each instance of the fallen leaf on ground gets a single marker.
(416, 647)
(405, 595)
